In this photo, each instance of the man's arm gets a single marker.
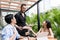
(30, 29)
(19, 27)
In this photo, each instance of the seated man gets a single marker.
(22, 28)
(9, 32)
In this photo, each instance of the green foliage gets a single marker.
(32, 20)
(53, 16)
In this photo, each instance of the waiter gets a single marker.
(21, 21)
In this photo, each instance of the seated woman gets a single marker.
(47, 28)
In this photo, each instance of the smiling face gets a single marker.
(14, 20)
(23, 9)
(44, 24)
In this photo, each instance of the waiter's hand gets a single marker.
(27, 33)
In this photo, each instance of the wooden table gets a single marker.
(32, 38)
(50, 38)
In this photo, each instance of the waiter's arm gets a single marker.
(19, 27)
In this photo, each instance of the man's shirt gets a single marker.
(8, 31)
(21, 21)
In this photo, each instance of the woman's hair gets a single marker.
(48, 24)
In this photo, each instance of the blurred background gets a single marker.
(37, 11)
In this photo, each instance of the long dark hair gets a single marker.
(48, 24)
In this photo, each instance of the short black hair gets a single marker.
(23, 5)
(8, 18)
